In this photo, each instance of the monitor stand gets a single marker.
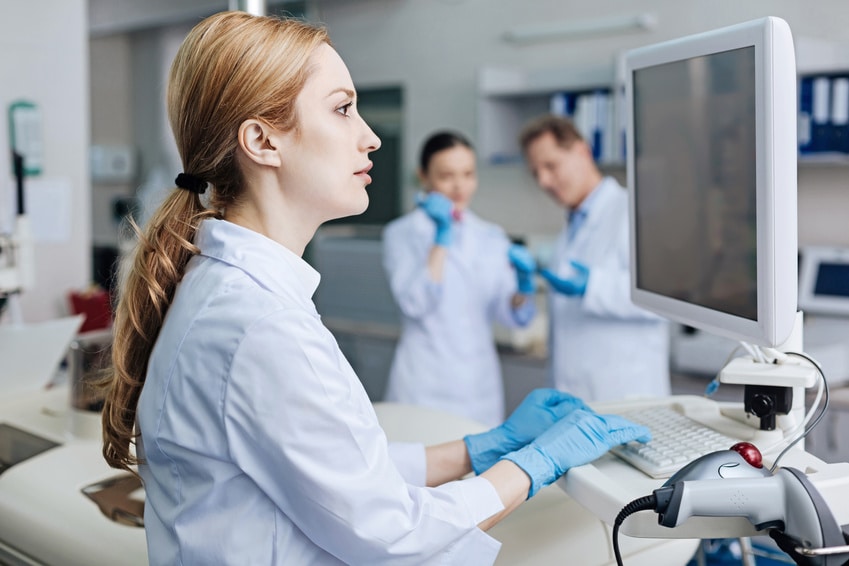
(774, 388)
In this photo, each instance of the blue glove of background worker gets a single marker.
(577, 439)
(576, 285)
(540, 409)
(439, 208)
(525, 266)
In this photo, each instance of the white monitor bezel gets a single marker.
(776, 147)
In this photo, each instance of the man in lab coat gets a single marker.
(601, 346)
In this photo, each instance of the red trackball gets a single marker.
(750, 453)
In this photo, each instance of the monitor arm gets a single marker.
(773, 387)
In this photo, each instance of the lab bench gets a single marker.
(46, 516)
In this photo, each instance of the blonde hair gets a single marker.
(231, 67)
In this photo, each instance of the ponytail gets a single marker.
(152, 275)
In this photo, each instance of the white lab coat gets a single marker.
(260, 443)
(446, 357)
(602, 346)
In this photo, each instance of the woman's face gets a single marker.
(452, 172)
(325, 159)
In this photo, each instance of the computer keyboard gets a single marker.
(676, 440)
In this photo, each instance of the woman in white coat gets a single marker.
(451, 275)
(601, 346)
(255, 440)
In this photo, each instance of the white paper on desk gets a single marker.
(30, 353)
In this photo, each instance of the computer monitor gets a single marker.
(711, 166)
(824, 280)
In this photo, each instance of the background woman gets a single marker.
(451, 276)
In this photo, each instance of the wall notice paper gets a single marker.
(49, 206)
(47, 203)
(30, 353)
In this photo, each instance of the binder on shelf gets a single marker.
(599, 125)
(594, 116)
(804, 127)
(820, 111)
(839, 137)
(598, 116)
(563, 104)
(622, 131)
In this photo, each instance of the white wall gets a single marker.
(45, 60)
(435, 47)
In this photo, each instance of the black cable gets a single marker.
(646, 503)
(818, 418)
(18, 166)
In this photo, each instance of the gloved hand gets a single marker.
(439, 208)
(572, 286)
(525, 266)
(540, 409)
(577, 439)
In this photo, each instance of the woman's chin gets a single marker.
(355, 207)
(364, 202)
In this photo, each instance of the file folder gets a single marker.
(820, 111)
(805, 125)
(839, 137)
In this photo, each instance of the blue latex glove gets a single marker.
(577, 439)
(525, 265)
(572, 286)
(536, 413)
(439, 208)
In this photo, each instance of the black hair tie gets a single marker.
(191, 183)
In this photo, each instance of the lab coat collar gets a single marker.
(593, 209)
(597, 197)
(590, 199)
(266, 261)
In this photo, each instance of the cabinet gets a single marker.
(592, 96)
(509, 97)
(823, 101)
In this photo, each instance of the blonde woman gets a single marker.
(255, 441)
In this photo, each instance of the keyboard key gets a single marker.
(676, 440)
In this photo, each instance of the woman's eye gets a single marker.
(345, 109)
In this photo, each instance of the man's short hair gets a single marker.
(562, 128)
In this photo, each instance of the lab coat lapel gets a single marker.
(587, 239)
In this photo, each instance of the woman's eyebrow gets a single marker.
(347, 91)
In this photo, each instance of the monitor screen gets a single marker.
(17, 445)
(832, 280)
(695, 145)
(712, 176)
(824, 280)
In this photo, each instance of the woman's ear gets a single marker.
(259, 143)
(422, 178)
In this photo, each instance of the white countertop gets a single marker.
(44, 515)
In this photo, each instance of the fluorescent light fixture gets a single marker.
(255, 7)
(580, 28)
